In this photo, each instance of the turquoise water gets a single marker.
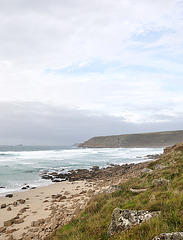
(23, 165)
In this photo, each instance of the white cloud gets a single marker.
(136, 45)
(33, 123)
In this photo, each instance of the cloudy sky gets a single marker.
(74, 69)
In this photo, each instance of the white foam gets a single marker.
(14, 164)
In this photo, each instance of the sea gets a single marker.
(24, 165)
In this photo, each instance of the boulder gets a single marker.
(135, 190)
(95, 168)
(21, 201)
(160, 182)
(123, 219)
(18, 221)
(111, 189)
(9, 195)
(15, 204)
(37, 223)
(25, 187)
(3, 205)
(11, 231)
(8, 223)
(2, 229)
(146, 170)
(170, 236)
(159, 166)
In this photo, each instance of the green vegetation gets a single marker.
(94, 221)
(155, 139)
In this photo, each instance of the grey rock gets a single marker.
(138, 190)
(146, 170)
(159, 166)
(170, 236)
(111, 189)
(160, 182)
(123, 219)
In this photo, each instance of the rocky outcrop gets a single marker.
(170, 236)
(159, 167)
(123, 219)
(147, 170)
(95, 173)
(111, 189)
(157, 139)
(176, 147)
(160, 182)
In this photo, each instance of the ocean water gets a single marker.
(23, 165)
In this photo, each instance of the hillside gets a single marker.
(162, 193)
(156, 139)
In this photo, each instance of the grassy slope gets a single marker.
(93, 223)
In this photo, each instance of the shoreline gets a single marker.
(38, 212)
(65, 175)
(48, 207)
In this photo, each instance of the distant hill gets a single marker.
(155, 139)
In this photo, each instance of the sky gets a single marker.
(74, 69)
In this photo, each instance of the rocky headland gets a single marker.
(141, 140)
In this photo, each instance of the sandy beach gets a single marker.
(36, 213)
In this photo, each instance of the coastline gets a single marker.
(48, 207)
(43, 209)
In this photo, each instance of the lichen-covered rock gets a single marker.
(159, 166)
(124, 219)
(146, 170)
(134, 190)
(111, 189)
(160, 182)
(170, 236)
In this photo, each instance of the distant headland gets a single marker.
(140, 140)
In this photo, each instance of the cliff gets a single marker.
(155, 139)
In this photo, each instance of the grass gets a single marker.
(94, 221)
